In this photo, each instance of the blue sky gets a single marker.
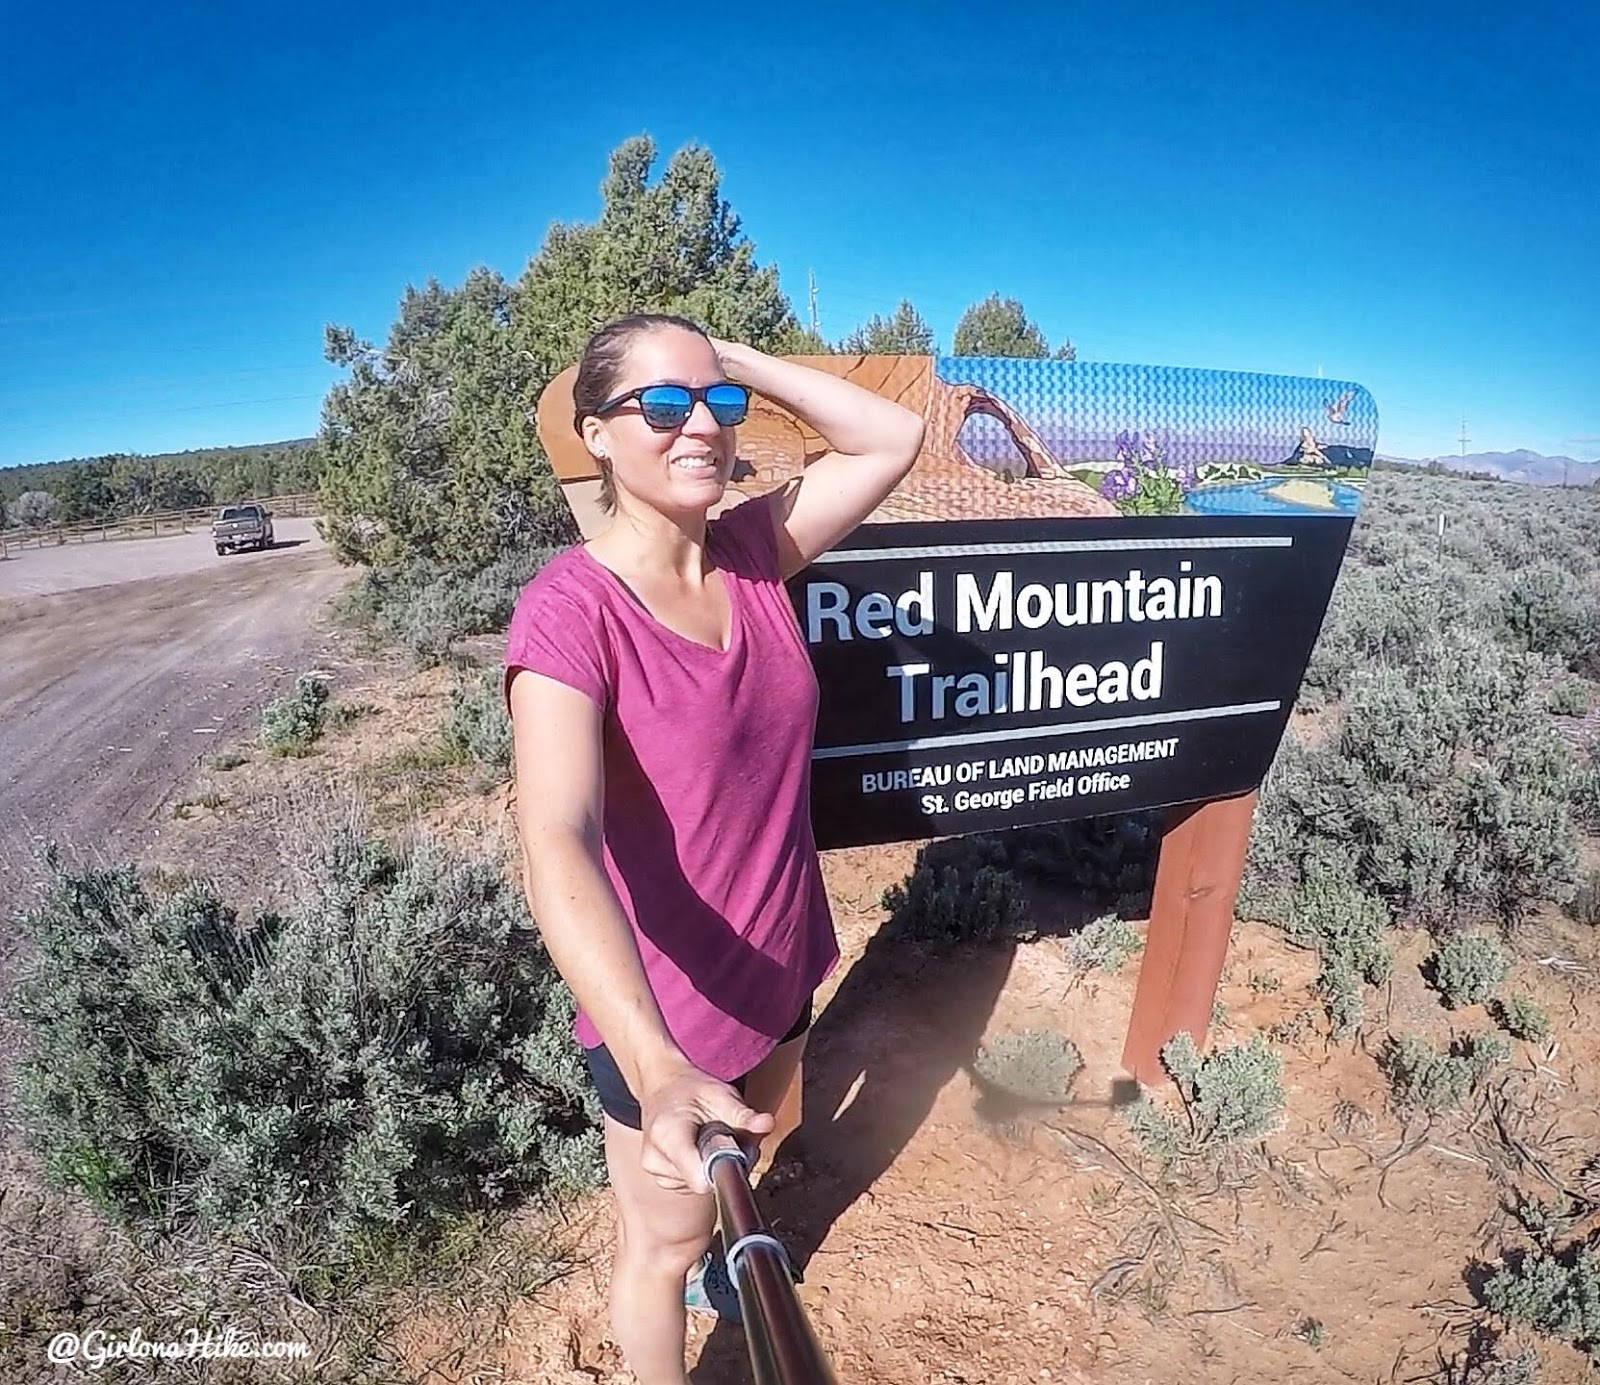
(1400, 195)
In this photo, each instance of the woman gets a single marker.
(663, 707)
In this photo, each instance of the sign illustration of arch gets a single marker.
(1096, 592)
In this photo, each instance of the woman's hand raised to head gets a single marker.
(872, 443)
(674, 1111)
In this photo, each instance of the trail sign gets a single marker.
(1096, 592)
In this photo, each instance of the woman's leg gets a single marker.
(661, 1235)
(767, 1086)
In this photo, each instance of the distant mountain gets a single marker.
(1531, 468)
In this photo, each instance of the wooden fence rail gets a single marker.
(150, 526)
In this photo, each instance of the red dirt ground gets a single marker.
(939, 1248)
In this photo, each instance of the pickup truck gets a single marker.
(241, 526)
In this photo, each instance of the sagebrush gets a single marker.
(1424, 1078)
(394, 1052)
(427, 607)
(1521, 1017)
(1104, 944)
(1108, 861)
(1437, 793)
(1468, 969)
(1327, 912)
(1229, 1096)
(958, 892)
(1444, 794)
(1585, 906)
(291, 725)
(1586, 787)
(1556, 1293)
(1554, 1287)
(477, 727)
(1036, 1065)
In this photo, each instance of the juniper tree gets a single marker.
(902, 333)
(999, 327)
(428, 450)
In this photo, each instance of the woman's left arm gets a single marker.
(872, 444)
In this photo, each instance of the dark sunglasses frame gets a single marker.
(696, 396)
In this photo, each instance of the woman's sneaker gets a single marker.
(711, 1290)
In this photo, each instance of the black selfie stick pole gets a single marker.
(783, 1350)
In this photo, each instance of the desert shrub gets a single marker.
(1545, 1222)
(1235, 1093)
(1521, 1369)
(1555, 1293)
(291, 725)
(1231, 1095)
(477, 726)
(1444, 793)
(35, 509)
(1545, 611)
(1440, 783)
(226, 760)
(426, 607)
(1328, 913)
(1423, 1078)
(1104, 944)
(1383, 616)
(1585, 906)
(1586, 788)
(342, 714)
(1312, 1332)
(1339, 987)
(1468, 969)
(959, 891)
(1158, 1133)
(1031, 1064)
(1521, 1017)
(1107, 860)
(1567, 697)
(393, 1052)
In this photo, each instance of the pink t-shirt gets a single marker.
(707, 819)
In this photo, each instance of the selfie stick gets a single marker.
(783, 1350)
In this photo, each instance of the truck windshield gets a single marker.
(240, 512)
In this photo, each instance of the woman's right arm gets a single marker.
(558, 743)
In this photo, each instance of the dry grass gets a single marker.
(63, 1269)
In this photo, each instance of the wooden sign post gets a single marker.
(1191, 918)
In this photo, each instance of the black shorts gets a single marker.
(622, 1106)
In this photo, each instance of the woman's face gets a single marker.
(687, 468)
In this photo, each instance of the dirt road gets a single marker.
(123, 664)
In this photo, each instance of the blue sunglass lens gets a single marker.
(665, 406)
(728, 403)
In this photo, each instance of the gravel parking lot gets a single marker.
(123, 664)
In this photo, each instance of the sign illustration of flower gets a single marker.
(1144, 482)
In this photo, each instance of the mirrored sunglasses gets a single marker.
(665, 407)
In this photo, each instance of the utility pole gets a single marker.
(1464, 440)
(812, 274)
